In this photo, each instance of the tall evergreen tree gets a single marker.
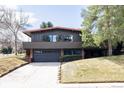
(46, 24)
(107, 21)
(49, 24)
(43, 25)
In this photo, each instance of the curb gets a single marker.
(59, 73)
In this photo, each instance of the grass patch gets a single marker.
(103, 69)
(8, 64)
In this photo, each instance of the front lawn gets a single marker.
(103, 69)
(8, 64)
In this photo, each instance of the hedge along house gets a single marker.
(49, 44)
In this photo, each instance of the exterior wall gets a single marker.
(38, 43)
(37, 40)
(62, 52)
(53, 56)
(29, 56)
(37, 36)
(52, 45)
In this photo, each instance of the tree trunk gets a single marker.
(108, 34)
(109, 48)
(15, 44)
(83, 54)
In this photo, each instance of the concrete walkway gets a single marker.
(44, 75)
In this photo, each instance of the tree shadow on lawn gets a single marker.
(119, 60)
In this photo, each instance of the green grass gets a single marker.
(103, 69)
(8, 64)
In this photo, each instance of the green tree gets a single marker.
(49, 24)
(46, 24)
(7, 50)
(43, 25)
(87, 39)
(87, 26)
(107, 22)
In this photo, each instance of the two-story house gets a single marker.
(48, 45)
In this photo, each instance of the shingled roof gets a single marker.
(28, 32)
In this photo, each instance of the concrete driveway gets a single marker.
(33, 75)
(36, 75)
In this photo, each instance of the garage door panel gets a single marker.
(48, 56)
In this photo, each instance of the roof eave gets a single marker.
(28, 32)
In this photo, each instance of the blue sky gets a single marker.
(59, 15)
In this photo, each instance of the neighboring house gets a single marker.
(47, 45)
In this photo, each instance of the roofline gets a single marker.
(28, 32)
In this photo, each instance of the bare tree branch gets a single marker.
(12, 20)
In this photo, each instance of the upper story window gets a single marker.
(68, 38)
(53, 38)
(57, 38)
(46, 38)
(50, 38)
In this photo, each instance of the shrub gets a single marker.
(9, 50)
(67, 58)
(6, 50)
